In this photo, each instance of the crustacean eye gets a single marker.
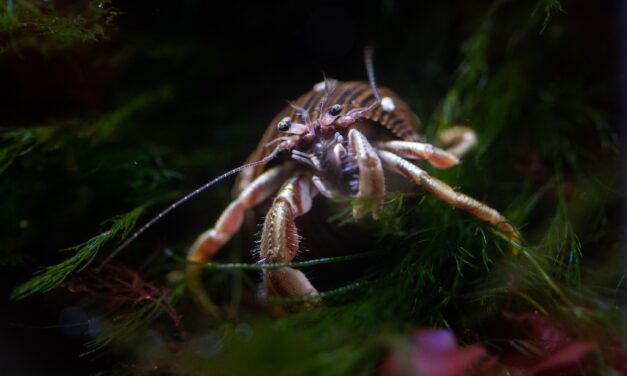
(284, 124)
(335, 110)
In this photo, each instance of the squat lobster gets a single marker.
(336, 140)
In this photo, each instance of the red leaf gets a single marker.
(568, 360)
(435, 353)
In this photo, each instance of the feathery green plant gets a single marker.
(19, 142)
(53, 276)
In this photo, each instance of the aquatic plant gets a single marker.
(548, 157)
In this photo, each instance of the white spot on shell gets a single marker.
(387, 104)
(320, 86)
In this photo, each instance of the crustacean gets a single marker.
(335, 140)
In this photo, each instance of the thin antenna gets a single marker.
(368, 53)
(329, 88)
(181, 201)
(304, 113)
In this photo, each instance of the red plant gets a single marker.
(542, 348)
(117, 284)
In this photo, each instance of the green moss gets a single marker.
(46, 26)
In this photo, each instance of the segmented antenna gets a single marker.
(329, 88)
(185, 198)
(302, 112)
(368, 53)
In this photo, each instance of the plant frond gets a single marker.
(53, 276)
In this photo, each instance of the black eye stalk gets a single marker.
(335, 110)
(284, 125)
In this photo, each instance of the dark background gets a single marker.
(229, 67)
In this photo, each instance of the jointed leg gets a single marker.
(458, 140)
(437, 157)
(279, 240)
(323, 187)
(210, 241)
(445, 193)
(371, 179)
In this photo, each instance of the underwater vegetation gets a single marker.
(112, 110)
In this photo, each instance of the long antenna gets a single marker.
(368, 52)
(181, 201)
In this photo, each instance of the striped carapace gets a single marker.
(395, 116)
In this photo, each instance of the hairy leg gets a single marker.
(371, 179)
(445, 193)
(437, 157)
(210, 241)
(279, 239)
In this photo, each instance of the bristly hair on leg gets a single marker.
(184, 199)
